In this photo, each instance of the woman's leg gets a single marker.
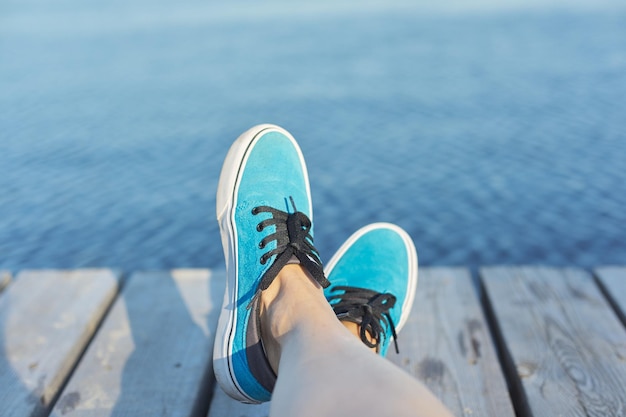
(323, 369)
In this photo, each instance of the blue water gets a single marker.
(493, 135)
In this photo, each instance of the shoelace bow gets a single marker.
(369, 309)
(293, 238)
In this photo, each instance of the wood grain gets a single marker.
(447, 345)
(613, 282)
(565, 348)
(46, 320)
(153, 353)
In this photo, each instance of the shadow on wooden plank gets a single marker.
(564, 346)
(153, 353)
(46, 320)
(223, 405)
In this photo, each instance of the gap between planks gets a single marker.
(563, 345)
(612, 281)
(46, 320)
(152, 354)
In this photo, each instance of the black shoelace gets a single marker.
(293, 238)
(369, 309)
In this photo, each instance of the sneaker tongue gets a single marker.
(293, 260)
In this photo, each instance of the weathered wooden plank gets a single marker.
(613, 283)
(46, 320)
(564, 347)
(447, 345)
(5, 278)
(153, 353)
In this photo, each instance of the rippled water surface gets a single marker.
(491, 136)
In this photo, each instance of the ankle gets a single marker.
(286, 300)
(292, 297)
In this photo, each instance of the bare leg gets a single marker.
(323, 369)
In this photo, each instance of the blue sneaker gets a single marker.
(374, 276)
(263, 185)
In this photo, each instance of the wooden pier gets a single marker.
(525, 341)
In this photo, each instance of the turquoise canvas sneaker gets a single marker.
(264, 212)
(374, 276)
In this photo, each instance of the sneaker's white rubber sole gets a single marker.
(226, 201)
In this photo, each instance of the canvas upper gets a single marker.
(375, 271)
